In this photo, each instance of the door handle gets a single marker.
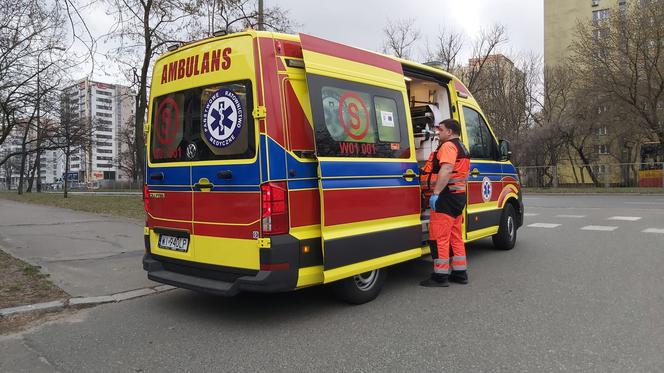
(203, 183)
(226, 174)
(203, 186)
(409, 175)
(475, 172)
(158, 176)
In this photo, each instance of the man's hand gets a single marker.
(432, 201)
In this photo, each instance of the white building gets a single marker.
(107, 109)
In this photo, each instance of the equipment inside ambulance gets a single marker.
(277, 162)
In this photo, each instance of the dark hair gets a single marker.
(452, 125)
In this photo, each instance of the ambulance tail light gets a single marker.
(146, 199)
(274, 197)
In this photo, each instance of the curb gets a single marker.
(83, 301)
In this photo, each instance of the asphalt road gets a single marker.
(567, 298)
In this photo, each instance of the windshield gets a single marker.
(203, 123)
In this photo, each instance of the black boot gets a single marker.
(436, 281)
(460, 277)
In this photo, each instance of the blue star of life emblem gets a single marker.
(486, 189)
(223, 118)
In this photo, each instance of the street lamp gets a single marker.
(38, 154)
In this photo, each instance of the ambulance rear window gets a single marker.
(358, 120)
(204, 123)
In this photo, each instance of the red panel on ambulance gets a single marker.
(300, 132)
(171, 205)
(227, 207)
(304, 207)
(274, 126)
(354, 205)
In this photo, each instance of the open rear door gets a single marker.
(370, 194)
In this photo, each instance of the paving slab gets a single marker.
(85, 254)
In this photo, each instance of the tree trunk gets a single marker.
(24, 156)
(65, 182)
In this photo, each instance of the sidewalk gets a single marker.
(85, 254)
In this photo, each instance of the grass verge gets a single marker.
(595, 190)
(127, 206)
(22, 284)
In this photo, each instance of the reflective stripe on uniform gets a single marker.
(457, 187)
(459, 263)
(441, 266)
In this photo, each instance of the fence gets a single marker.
(617, 175)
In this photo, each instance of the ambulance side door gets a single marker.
(484, 178)
(370, 194)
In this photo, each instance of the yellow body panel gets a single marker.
(229, 252)
(368, 265)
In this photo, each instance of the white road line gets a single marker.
(625, 218)
(530, 214)
(653, 230)
(599, 228)
(571, 216)
(543, 225)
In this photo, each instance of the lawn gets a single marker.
(130, 206)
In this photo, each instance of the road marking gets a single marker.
(653, 230)
(543, 225)
(625, 218)
(599, 228)
(530, 214)
(571, 216)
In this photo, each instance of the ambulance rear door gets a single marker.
(368, 174)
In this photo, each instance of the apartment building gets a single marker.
(106, 109)
(560, 22)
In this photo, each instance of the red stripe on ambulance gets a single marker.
(355, 205)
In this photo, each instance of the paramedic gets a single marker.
(448, 201)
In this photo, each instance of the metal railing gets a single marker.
(600, 175)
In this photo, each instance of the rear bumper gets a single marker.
(227, 281)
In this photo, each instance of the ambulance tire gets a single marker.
(361, 288)
(506, 236)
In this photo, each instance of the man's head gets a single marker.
(448, 129)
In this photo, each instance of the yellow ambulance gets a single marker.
(277, 162)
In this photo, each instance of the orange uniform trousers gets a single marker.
(446, 233)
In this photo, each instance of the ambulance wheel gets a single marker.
(506, 236)
(360, 288)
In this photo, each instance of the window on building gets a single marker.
(101, 143)
(104, 151)
(104, 107)
(105, 100)
(600, 15)
(602, 131)
(599, 169)
(104, 93)
(104, 115)
(107, 137)
(602, 149)
(104, 158)
(594, 2)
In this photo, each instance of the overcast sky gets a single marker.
(361, 22)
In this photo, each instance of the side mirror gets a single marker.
(505, 152)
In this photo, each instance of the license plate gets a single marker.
(173, 243)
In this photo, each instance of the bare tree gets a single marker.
(484, 48)
(399, 37)
(235, 15)
(445, 50)
(143, 29)
(622, 60)
(126, 162)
